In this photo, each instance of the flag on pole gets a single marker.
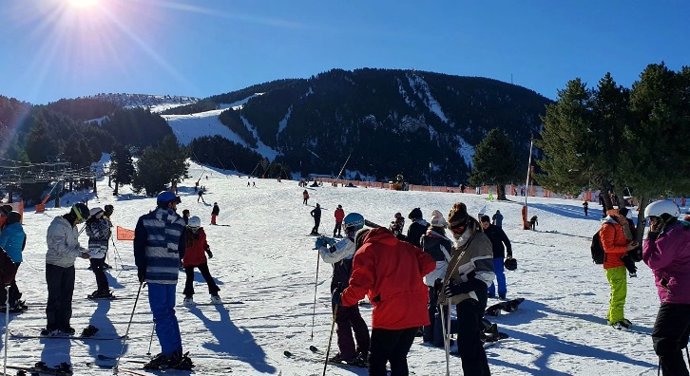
(124, 234)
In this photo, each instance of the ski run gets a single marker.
(265, 267)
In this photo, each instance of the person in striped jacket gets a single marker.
(158, 248)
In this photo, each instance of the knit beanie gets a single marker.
(458, 215)
(437, 219)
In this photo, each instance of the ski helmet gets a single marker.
(353, 221)
(81, 211)
(94, 212)
(510, 263)
(194, 222)
(661, 207)
(165, 197)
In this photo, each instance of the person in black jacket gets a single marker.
(214, 213)
(501, 248)
(417, 228)
(316, 214)
(439, 246)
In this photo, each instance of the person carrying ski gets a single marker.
(13, 241)
(438, 246)
(389, 271)
(316, 214)
(666, 251)
(348, 319)
(470, 271)
(159, 246)
(339, 215)
(98, 231)
(63, 249)
(196, 249)
(502, 249)
(616, 245)
(305, 196)
(417, 228)
(497, 219)
(214, 213)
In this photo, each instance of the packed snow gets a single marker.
(265, 265)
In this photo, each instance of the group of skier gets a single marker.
(433, 272)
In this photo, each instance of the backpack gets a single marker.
(598, 254)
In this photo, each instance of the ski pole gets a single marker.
(117, 254)
(129, 324)
(446, 334)
(316, 284)
(330, 337)
(151, 339)
(7, 323)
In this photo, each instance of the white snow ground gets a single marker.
(264, 259)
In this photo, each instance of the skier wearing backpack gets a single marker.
(666, 251)
(616, 245)
(348, 319)
(196, 249)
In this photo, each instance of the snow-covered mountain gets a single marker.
(267, 270)
(156, 103)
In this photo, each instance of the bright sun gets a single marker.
(82, 3)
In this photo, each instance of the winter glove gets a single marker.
(464, 287)
(335, 299)
(141, 273)
(320, 242)
(209, 253)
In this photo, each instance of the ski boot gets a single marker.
(160, 362)
(183, 362)
(188, 301)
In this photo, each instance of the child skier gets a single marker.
(98, 231)
(194, 257)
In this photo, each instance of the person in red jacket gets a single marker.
(390, 272)
(339, 215)
(196, 249)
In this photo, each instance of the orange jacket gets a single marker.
(614, 242)
(390, 272)
(195, 249)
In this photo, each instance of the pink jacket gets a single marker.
(668, 255)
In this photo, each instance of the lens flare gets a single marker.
(82, 3)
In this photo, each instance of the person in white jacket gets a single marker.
(63, 249)
(98, 231)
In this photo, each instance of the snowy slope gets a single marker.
(265, 260)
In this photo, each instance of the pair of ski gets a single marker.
(111, 362)
(89, 333)
(316, 351)
(41, 368)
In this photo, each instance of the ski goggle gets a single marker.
(77, 213)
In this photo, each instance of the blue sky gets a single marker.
(52, 49)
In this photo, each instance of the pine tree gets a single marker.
(121, 167)
(494, 162)
(159, 166)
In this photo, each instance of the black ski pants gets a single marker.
(470, 347)
(98, 268)
(317, 221)
(337, 229)
(14, 291)
(670, 337)
(189, 283)
(349, 319)
(390, 346)
(60, 283)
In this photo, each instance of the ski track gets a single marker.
(264, 260)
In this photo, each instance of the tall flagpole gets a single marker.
(525, 224)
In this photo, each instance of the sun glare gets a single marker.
(82, 3)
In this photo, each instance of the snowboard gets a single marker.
(507, 306)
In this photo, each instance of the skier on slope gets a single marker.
(196, 249)
(502, 249)
(348, 319)
(390, 272)
(316, 214)
(339, 214)
(214, 213)
(417, 228)
(438, 246)
(63, 249)
(667, 252)
(468, 276)
(98, 231)
(13, 241)
(158, 247)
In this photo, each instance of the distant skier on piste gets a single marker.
(348, 319)
(214, 213)
(339, 214)
(316, 214)
(158, 247)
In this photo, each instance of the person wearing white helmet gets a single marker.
(196, 249)
(666, 251)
